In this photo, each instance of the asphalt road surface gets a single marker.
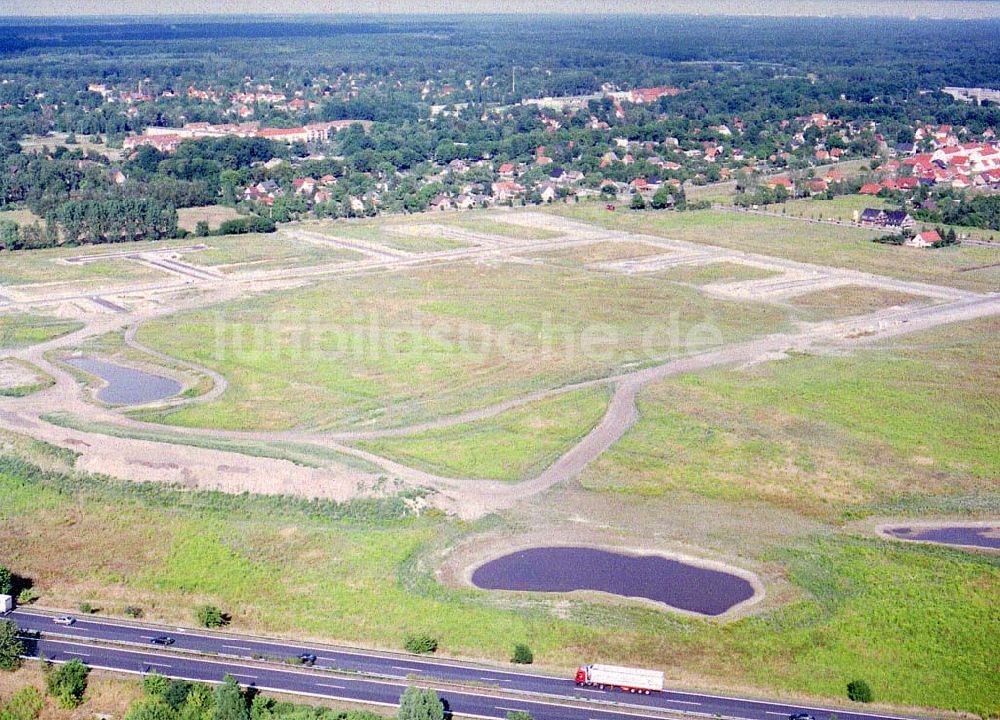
(232, 653)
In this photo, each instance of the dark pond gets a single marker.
(978, 536)
(127, 386)
(563, 569)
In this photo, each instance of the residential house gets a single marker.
(925, 239)
(897, 220)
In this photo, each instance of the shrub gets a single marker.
(177, 693)
(420, 644)
(68, 683)
(86, 608)
(11, 647)
(417, 704)
(252, 224)
(522, 655)
(153, 708)
(859, 691)
(26, 596)
(210, 616)
(230, 703)
(25, 704)
(133, 611)
(154, 684)
(6, 581)
(518, 715)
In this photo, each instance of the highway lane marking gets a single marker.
(494, 679)
(400, 667)
(70, 652)
(769, 712)
(683, 702)
(599, 692)
(606, 713)
(157, 664)
(335, 687)
(383, 682)
(252, 677)
(238, 647)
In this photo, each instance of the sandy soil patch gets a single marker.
(14, 374)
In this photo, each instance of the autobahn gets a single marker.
(489, 692)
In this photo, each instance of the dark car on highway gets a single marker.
(162, 640)
(307, 659)
(801, 716)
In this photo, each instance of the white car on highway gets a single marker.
(64, 620)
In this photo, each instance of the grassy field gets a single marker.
(83, 142)
(480, 222)
(917, 622)
(716, 272)
(388, 233)
(23, 329)
(414, 243)
(229, 253)
(820, 434)
(842, 207)
(598, 252)
(512, 446)
(405, 347)
(188, 218)
(847, 300)
(256, 251)
(23, 267)
(846, 247)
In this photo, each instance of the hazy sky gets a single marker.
(904, 8)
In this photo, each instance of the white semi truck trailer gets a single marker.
(614, 677)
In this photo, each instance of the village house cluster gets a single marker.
(167, 139)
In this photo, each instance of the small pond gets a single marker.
(975, 535)
(127, 386)
(564, 569)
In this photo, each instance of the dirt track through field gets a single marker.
(172, 461)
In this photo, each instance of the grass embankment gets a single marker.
(816, 433)
(298, 453)
(512, 446)
(969, 267)
(23, 329)
(407, 347)
(918, 622)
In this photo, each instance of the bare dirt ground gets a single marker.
(125, 307)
